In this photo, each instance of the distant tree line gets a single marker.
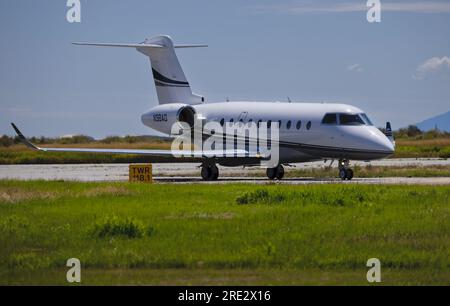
(413, 132)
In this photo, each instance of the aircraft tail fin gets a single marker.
(170, 80)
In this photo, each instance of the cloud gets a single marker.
(304, 7)
(431, 66)
(355, 68)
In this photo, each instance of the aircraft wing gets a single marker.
(151, 153)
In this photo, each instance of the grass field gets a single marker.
(411, 148)
(223, 234)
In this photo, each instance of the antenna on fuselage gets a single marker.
(289, 99)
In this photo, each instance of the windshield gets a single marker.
(346, 119)
(366, 119)
(351, 119)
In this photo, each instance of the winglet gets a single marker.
(388, 133)
(23, 139)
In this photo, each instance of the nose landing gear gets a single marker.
(345, 173)
(209, 172)
(275, 173)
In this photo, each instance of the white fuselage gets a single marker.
(311, 139)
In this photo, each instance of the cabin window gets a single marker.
(350, 119)
(279, 124)
(288, 124)
(299, 124)
(308, 125)
(329, 119)
(259, 122)
(269, 124)
(222, 121)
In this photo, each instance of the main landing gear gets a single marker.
(275, 173)
(210, 172)
(345, 173)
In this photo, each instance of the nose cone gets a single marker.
(386, 145)
(144, 118)
(379, 142)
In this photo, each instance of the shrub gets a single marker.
(6, 141)
(260, 196)
(115, 226)
(111, 139)
(76, 139)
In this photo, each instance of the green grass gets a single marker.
(223, 234)
(415, 148)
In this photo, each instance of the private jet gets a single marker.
(306, 131)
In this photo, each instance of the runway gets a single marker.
(190, 173)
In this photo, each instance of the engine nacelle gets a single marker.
(162, 117)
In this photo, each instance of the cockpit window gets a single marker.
(366, 119)
(329, 119)
(351, 119)
(346, 119)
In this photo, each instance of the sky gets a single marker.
(397, 70)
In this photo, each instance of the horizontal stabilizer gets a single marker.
(170, 81)
(118, 45)
(143, 45)
(189, 46)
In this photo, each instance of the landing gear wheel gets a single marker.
(349, 174)
(271, 173)
(206, 173)
(214, 172)
(280, 172)
(275, 173)
(210, 173)
(345, 173)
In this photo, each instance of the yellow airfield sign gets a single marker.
(141, 173)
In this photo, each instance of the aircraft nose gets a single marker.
(382, 143)
(387, 145)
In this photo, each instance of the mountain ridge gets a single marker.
(441, 122)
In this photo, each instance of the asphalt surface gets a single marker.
(309, 181)
(190, 173)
